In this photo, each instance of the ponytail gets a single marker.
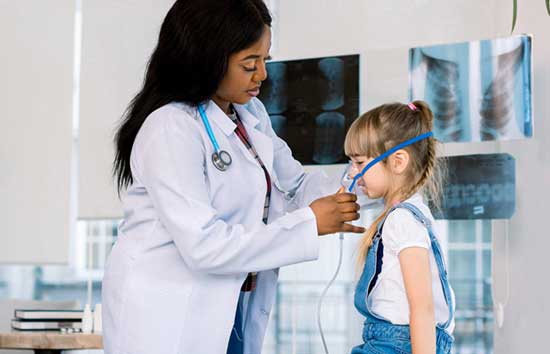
(430, 175)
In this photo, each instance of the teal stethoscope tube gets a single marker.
(386, 154)
(220, 158)
(208, 128)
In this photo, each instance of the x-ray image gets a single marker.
(312, 103)
(478, 187)
(477, 90)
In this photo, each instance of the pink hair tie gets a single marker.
(412, 107)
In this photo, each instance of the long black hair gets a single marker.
(190, 60)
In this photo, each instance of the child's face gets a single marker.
(375, 182)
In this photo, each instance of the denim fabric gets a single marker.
(379, 335)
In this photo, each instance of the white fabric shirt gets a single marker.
(388, 298)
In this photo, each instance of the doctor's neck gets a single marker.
(224, 105)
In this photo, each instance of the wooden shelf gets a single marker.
(52, 340)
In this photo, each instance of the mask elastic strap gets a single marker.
(388, 153)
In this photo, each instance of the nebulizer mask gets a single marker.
(348, 177)
(357, 186)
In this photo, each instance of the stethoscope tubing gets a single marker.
(208, 128)
(221, 159)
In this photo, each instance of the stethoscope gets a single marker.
(220, 158)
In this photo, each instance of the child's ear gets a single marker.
(399, 161)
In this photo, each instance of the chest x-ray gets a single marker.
(477, 90)
(312, 103)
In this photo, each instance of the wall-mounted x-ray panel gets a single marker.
(312, 103)
(478, 187)
(477, 90)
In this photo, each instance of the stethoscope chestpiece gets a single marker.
(222, 160)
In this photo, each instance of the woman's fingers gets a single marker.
(348, 207)
(345, 197)
(332, 212)
(350, 216)
(352, 228)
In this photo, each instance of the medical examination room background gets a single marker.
(70, 67)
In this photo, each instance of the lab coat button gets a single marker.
(264, 312)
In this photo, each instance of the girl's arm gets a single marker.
(415, 266)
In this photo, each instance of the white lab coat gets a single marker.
(191, 233)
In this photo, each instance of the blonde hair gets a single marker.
(384, 127)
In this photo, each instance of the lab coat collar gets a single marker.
(261, 142)
(245, 115)
(218, 117)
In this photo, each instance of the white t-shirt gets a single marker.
(388, 298)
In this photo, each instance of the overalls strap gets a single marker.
(439, 258)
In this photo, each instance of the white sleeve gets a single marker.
(171, 167)
(304, 187)
(402, 230)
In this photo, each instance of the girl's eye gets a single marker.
(249, 69)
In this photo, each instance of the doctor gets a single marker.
(214, 203)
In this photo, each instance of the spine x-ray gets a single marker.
(478, 187)
(477, 90)
(312, 103)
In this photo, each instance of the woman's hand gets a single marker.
(333, 212)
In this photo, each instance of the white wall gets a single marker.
(36, 70)
(383, 30)
(526, 317)
(117, 39)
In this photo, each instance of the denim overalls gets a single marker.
(381, 336)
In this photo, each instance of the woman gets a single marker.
(215, 202)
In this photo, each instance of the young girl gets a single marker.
(403, 292)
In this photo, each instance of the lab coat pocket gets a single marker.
(154, 318)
